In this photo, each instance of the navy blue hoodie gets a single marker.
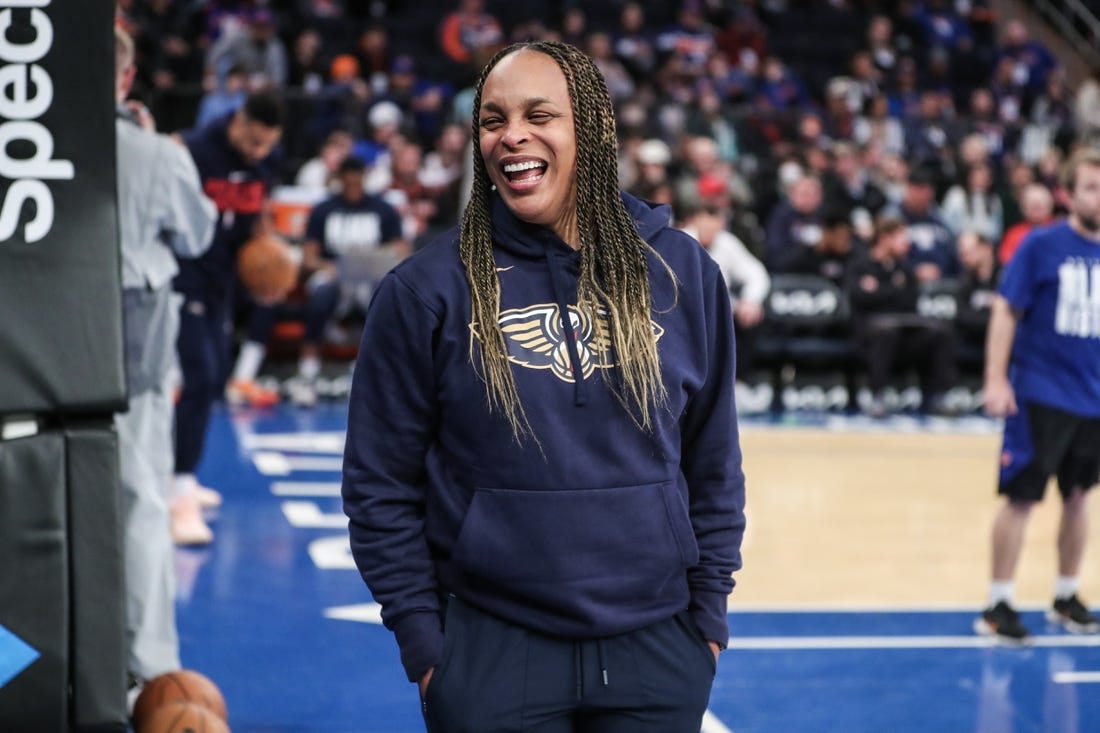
(608, 529)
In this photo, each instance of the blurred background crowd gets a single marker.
(791, 138)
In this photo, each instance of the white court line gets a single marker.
(367, 613)
(1075, 678)
(711, 724)
(903, 424)
(332, 443)
(793, 643)
(738, 607)
(305, 488)
(307, 515)
(271, 463)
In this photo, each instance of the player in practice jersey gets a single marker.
(237, 164)
(1042, 374)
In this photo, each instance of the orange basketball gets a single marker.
(183, 686)
(183, 717)
(268, 268)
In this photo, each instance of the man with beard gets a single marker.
(237, 163)
(1046, 325)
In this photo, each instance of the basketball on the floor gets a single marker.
(185, 685)
(183, 717)
(268, 268)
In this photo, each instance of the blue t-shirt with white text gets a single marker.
(1053, 280)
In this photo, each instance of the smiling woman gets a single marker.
(515, 125)
(542, 471)
(528, 143)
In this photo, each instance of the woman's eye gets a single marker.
(490, 122)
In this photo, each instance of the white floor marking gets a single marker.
(332, 553)
(711, 724)
(1076, 678)
(272, 463)
(307, 515)
(305, 488)
(791, 643)
(332, 443)
(737, 607)
(367, 613)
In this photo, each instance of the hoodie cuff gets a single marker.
(420, 638)
(708, 610)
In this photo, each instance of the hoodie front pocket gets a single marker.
(601, 544)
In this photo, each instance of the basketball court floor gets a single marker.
(865, 564)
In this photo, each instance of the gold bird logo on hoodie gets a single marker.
(537, 340)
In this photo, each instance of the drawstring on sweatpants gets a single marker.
(599, 657)
(577, 669)
(578, 665)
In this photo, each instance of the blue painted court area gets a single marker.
(276, 614)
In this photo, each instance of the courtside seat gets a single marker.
(939, 299)
(807, 324)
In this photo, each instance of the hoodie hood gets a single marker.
(533, 241)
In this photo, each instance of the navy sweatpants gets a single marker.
(205, 350)
(495, 677)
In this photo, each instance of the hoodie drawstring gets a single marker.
(557, 272)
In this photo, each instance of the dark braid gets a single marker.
(614, 275)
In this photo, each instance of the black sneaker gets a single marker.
(1071, 614)
(1003, 623)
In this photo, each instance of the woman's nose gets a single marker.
(515, 135)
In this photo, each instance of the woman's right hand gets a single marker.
(424, 682)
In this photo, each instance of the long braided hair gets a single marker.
(614, 277)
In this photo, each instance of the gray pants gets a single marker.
(146, 461)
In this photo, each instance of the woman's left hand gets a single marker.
(714, 648)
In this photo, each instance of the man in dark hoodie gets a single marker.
(542, 472)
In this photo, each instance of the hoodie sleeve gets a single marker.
(711, 464)
(391, 421)
(188, 219)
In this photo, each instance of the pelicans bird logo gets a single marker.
(537, 340)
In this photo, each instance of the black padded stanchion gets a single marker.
(34, 581)
(60, 295)
(96, 572)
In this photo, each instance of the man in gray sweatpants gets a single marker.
(163, 214)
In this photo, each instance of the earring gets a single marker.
(493, 187)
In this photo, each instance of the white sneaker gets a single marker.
(301, 391)
(208, 498)
(188, 526)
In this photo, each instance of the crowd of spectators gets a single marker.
(802, 124)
